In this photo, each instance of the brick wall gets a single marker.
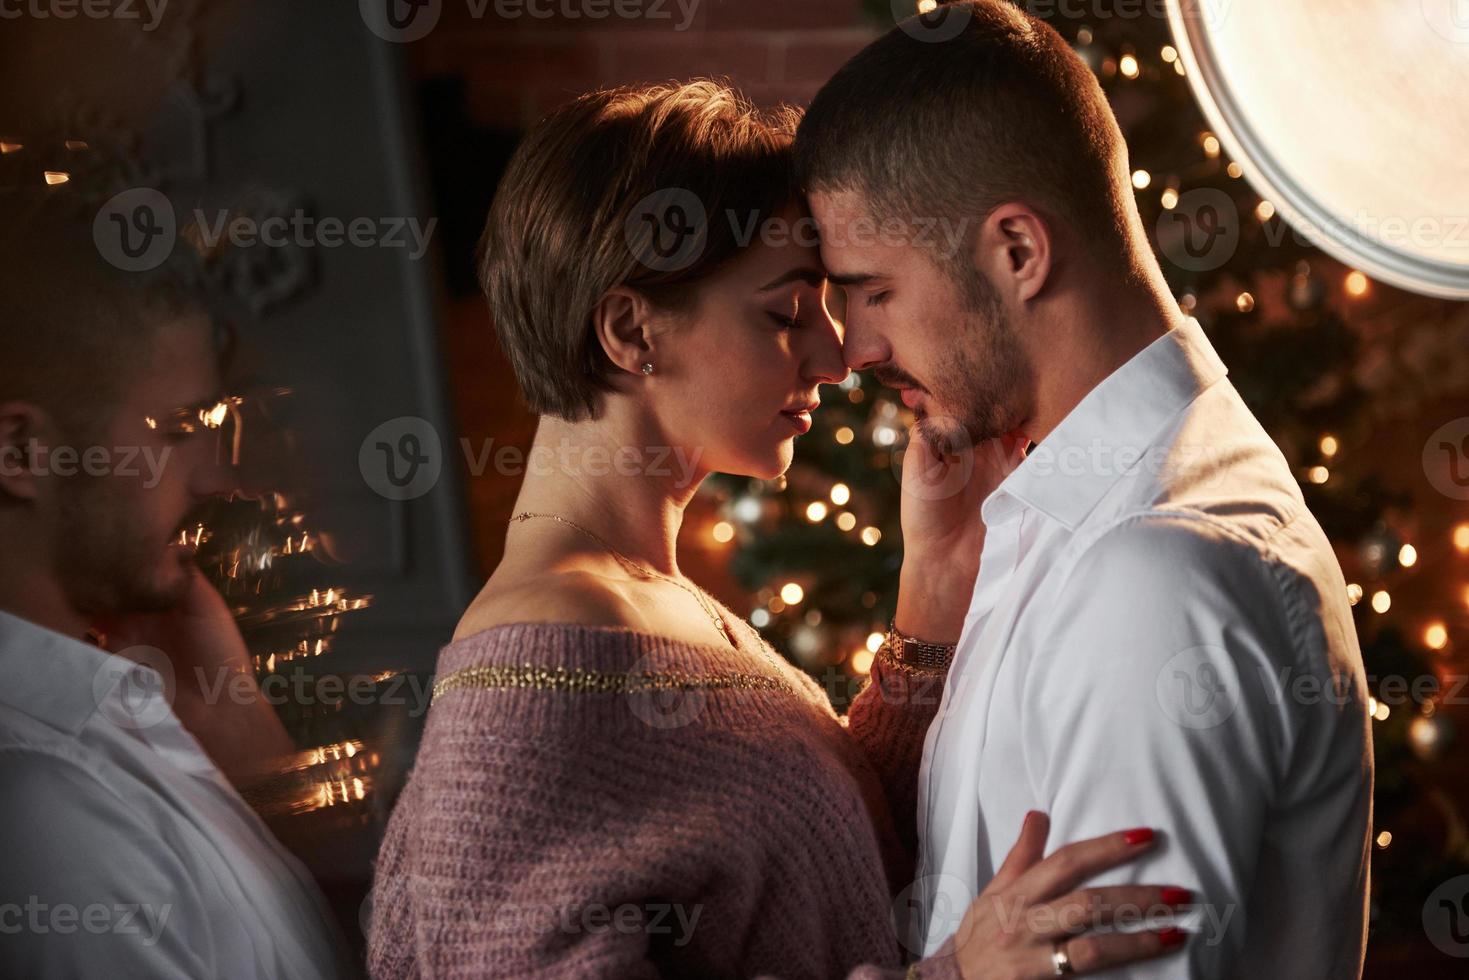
(517, 66)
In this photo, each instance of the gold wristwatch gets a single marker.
(910, 653)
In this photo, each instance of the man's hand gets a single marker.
(215, 694)
(943, 534)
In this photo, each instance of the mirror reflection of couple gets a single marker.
(1119, 615)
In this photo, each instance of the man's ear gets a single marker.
(22, 436)
(621, 324)
(1014, 249)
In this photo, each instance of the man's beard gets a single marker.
(986, 381)
(106, 563)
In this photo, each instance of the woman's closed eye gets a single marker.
(790, 317)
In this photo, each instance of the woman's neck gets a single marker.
(613, 478)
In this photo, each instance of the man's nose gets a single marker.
(862, 348)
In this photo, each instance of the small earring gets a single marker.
(647, 367)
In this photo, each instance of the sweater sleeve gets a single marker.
(889, 719)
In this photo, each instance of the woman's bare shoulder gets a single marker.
(553, 596)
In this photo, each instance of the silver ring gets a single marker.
(1060, 961)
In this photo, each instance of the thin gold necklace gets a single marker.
(631, 565)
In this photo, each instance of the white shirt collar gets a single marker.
(1118, 421)
(64, 682)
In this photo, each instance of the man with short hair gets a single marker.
(1159, 633)
(128, 851)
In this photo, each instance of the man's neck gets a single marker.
(1093, 339)
(30, 594)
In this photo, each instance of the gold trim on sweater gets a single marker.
(580, 681)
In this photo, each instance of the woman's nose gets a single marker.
(825, 364)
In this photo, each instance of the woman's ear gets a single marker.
(1014, 249)
(621, 324)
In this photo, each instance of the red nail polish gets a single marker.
(1139, 835)
(1177, 896)
(1171, 937)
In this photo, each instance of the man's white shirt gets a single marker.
(126, 852)
(1160, 636)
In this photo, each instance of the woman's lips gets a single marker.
(801, 420)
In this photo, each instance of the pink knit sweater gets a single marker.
(600, 802)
